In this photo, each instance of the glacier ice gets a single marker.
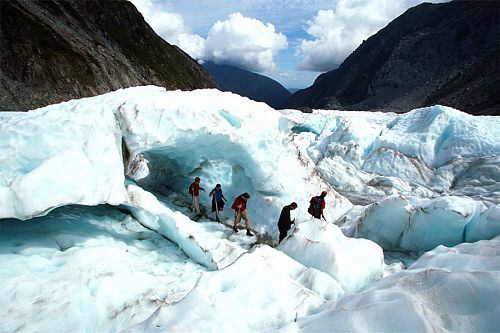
(354, 263)
(412, 224)
(198, 244)
(418, 181)
(429, 152)
(262, 291)
(56, 156)
(179, 137)
(89, 269)
(446, 290)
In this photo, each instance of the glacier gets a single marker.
(96, 232)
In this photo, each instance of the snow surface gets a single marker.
(96, 233)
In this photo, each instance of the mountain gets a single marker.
(245, 83)
(432, 54)
(58, 50)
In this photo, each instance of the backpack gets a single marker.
(191, 189)
(315, 206)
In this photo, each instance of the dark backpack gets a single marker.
(191, 189)
(315, 207)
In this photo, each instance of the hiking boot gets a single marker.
(235, 229)
(218, 220)
(249, 233)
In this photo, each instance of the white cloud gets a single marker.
(244, 42)
(336, 33)
(240, 41)
(171, 27)
(336, 30)
(167, 25)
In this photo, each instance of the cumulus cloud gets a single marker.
(171, 27)
(239, 41)
(244, 42)
(336, 33)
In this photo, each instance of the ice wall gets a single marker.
(413, 224)
(78, 152)
(226, 139)
(59, 155)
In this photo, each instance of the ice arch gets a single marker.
(79, 151)
(225, 139)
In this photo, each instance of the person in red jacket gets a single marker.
(317, 206)
(240, 210)
(194, 190)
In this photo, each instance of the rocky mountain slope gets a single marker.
(52, 51)
(445, 54)
(245, 83)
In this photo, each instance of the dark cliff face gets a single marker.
(254, 86)
(52, 51)
(445, 54)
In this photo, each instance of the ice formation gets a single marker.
(96, 232)
(448, 289)
(221, 137)
(354, 263)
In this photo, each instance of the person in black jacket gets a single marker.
(285, 222)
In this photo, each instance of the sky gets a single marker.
(291, 41)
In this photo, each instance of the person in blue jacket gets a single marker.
(218, 201)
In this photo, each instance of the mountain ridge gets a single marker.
(246, 83)
(58, 50)
(431, 54)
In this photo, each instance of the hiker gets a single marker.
(240, 210)
(194, 190)
(218, 201)
(317, 205)
(285, 221)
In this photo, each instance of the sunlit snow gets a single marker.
(97, 234)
